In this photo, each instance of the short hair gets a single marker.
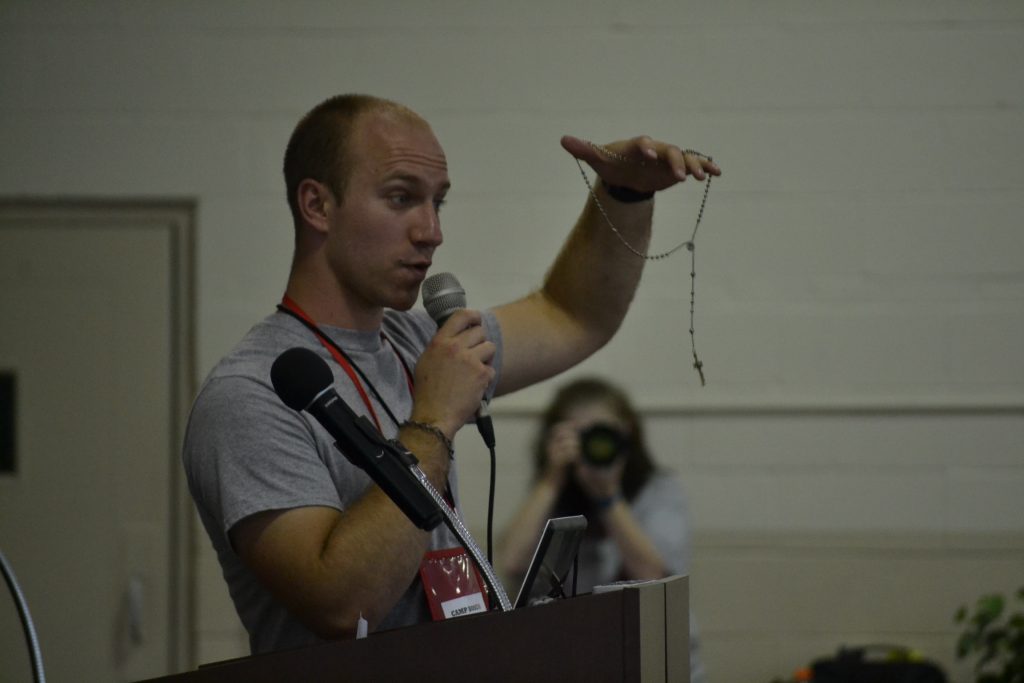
(319, 146)
(585, 391)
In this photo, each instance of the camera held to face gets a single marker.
(601, 444)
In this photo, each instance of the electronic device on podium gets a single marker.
(554, 557)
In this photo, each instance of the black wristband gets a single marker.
(603, 504)
(626, 195)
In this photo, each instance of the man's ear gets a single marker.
(314, 201)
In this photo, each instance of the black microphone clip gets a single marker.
(299, 372)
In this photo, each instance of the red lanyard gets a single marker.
(289, 304)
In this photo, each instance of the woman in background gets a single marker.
(591, 459)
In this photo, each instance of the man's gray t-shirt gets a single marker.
(246, 452)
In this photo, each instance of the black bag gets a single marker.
(875, 664)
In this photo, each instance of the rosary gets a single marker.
(690, 244)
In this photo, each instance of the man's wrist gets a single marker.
(626, 195)
(434, 431)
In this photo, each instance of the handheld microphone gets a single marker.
(442, 296)
(303, 381)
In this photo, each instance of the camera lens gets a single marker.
(600, 444)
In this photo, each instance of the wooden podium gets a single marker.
(638, 633)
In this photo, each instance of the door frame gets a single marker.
(178, 218)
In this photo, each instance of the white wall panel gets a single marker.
(860, 270)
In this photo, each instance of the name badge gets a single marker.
(452, 583)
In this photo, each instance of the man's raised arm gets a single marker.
(588, 290)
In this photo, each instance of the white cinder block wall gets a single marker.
(855, 464)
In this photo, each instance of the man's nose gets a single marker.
(428, 227)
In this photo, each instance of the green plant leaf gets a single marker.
(989, 608)
(965, 644)
(993, 638)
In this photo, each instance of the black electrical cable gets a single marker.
(26, 621)
(490, 510)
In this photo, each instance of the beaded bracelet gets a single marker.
(435, 431)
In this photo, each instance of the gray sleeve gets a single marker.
(246, 452)
(414, 330)
(660, 509)
(494, 335)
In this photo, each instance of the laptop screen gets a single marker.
(552, 560)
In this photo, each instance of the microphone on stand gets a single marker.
(442, 296)
(303, 381)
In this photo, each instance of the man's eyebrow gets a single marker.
(413, 179)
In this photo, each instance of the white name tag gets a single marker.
(460, 607)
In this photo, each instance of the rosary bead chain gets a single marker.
(690, 244)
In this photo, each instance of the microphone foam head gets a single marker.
(442, 296)
(298, 375)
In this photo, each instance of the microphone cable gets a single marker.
(490, 506)
(26, 621)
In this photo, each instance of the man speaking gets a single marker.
(309, 546)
